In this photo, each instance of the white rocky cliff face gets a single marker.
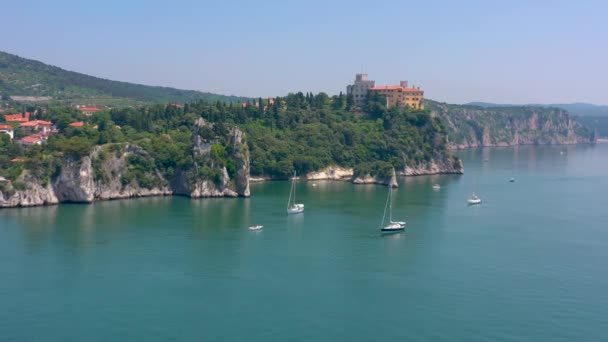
(103, 175)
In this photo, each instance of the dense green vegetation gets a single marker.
(24, 77)
(577, 109)
(301, 132)
(306, 132)
(599, 123)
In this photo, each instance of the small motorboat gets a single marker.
(512, 180)
(436, 187)
(256, 227)
(474, 200)
(314, 185)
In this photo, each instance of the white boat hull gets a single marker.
(258, 227)
(474, 201)
(297, 208)
(393, 227)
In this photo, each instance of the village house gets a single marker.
(19, 117)
(34, 139)
(37, 125)
(8, 129)
(88, 111)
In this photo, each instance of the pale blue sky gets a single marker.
(458, 51)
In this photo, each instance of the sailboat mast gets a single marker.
(390, 204)
(294, 188)
(290, 192)
(384, 215)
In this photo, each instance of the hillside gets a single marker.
(577, 109)
(24, 77)
(209, 149)
(598, 123)
(473, 126)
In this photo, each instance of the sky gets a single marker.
(515, 51)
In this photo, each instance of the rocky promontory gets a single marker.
(116, 171)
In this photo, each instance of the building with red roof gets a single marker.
(34, 139)
(37, 125)
(88, 111)
(395, 95)
(18, 160)
(17, 117)
(76, 124)
(400, 95)
(8, 129)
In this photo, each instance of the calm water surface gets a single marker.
(529, 264)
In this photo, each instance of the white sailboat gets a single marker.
(294, 208)
(436, 187)
(474, 200)
(392, 226)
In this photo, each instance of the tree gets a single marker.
(350, 102)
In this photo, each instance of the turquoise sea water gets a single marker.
(529, 264)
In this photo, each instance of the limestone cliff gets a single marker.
(472, 126)
(369, 179)
(437, 165)
(127, 170)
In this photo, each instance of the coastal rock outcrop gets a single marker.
(331, 173)
(433, 167)
(75, 182)
(27, 192)
(117, 171)
(369, 179)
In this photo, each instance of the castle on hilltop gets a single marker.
(396, 95)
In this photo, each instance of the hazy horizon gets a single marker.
(517, 53)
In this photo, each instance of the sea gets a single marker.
(528, 264)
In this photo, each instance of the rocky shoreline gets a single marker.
(76, 184)
(456, 147)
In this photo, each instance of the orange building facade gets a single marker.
(401, 95)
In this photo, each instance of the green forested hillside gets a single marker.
(25, 77)
(598, 123)
(578, 108)
(301, 132)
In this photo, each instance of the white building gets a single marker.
(360, 88)
(8, 129)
